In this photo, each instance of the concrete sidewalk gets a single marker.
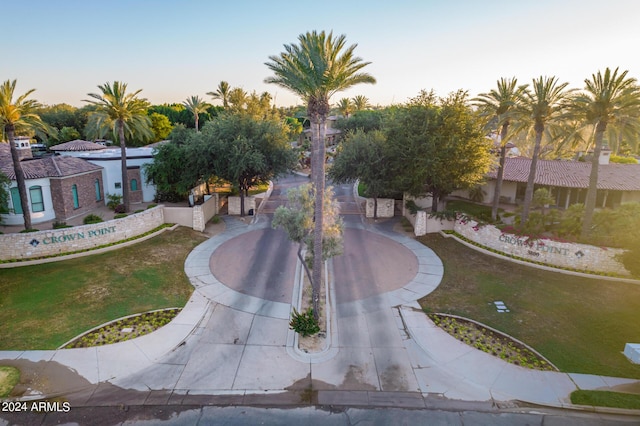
(226, 347)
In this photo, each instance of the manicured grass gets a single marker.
(606, 399)
(9, 377)
(579, 324)
(43, 306)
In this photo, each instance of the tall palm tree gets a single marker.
(237, 99)
(345, 106)
(498, 106)
(315, 69)
(540, 107)
(608, 99)
(18, 115)
(196, 105)
(222, 93)
(361, 102)
(125, 115)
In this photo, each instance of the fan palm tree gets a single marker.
(315, 69)
(608, 99)
(540, 107)
(222, 93)
(125, 115)
(196, 105)
(498, 106)
(360, 103)
(18, 115)
(345, 106)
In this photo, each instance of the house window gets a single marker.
(74, 192)
(98, 193)
(118, 185)
(15, 199)
(37, 203)
(134, 184)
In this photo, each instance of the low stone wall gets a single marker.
(386, 207)
(233, 205)
(423, 224)
(202, 213)
(567, 255)
(66, 240)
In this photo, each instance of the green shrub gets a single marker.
(304, 323)
(92, 218)
(139, 211)
(120, 215)
(412, 206)
(24, 231)
(215, 219)
(60, 225)
(152, 205)
(113, 201)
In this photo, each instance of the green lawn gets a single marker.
(580, 324)
(606, 399)
(43, 306)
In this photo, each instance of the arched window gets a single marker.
(37, 203)
(74, 192)
(15, 200)
(134, 184)
(98, 193)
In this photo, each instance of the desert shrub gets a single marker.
(113, 201)
(571, 221)
(477, 194)
(304, 323)
(631, 259)
(92, 218)
(60, 225)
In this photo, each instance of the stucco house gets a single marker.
(568, 181)
(58, 186)
(73, 182)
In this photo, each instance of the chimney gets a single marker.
(605, 155)
(23, 146)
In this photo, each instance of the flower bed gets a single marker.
(491, 342)
(124, 329)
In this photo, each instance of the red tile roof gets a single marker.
(77, 145)
(52, 166)
(572, 174)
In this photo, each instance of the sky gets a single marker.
(175, 49)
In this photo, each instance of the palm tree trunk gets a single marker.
(592, 192)
(123, 165)
(318, 231)
(17, 168)
(498, 187)
(528, 194)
